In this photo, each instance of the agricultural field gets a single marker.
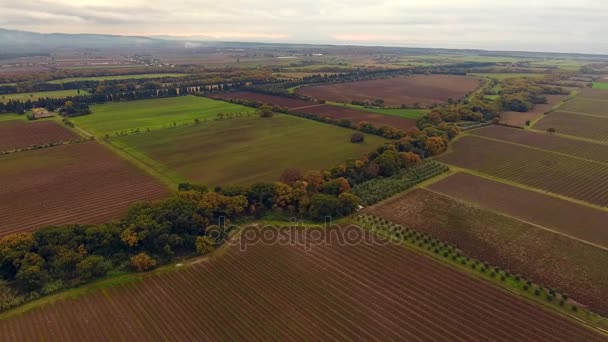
(124, 117)
(338, 112)
(519, 119)
(19, 134)
(557, 173)
(411, 90)
(598, 94)
(413, 114)
(116, 77)
(76, 183)
(600, 85)
(546, 141)
(244, 150)
(42, 94)
(504, 76)
(582, 126)
(586, 106)
(562, 216)
(550, 259)
(278, 291)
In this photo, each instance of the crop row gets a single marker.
(376, 190)
(584, 126)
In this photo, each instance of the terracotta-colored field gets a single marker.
(282, 292)
(546, 141)
(584, 105)
(600, 94)
(556, 173)
(547, 258)
(77, 183)
(333, 112)
(425, 90)
(560, 215)
(357, 116)
(583, 126)
(263, 98)
(519, 119)
(17, 134)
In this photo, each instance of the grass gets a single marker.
(11, 116)
(504, 76)
(244, 150)
(153, 114)
(600, 85)
(402, 113)
(42, 94)
(113, 78)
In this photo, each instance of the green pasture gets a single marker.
(41, 94)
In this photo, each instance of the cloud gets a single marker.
(556, 25)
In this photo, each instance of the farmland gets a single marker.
(504, 76)
(402, 113)
(598, 94)
(263, 98)
(600, 85)
(154, 114)
(549, 142)
(519, 119)
(586, 106)
(18, 134)
(345, 291)
(41, 94)
(547, 258)
(583, 126)
(115, 77)
(244, 150)
(560, 174)
(76, 183)
(411, 90)
(582, 222)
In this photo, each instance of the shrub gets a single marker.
(93, 266)
(357, 138)
(204, 245)
(142, 262)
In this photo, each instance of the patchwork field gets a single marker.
(598, 94)
(550, 259)
(113, 118)
(263, 98)
(18, 134)
(545, 141)
(244, 150)
(583, 126)
(114, 78)
(39, 95)
(519, 119)
(565, 217)
(556, 173)
(504, 76)
(419, 89)
(600, 85)
(402, 113)
(76, 183)
(334, 291)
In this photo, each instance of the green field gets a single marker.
(42, 94)
(118, 77)
(504, 76)
(600, 85)
(403, 113)
(244, 150)
(152, 114)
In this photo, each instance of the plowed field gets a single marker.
(17, 134)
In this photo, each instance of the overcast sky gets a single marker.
(536, 25)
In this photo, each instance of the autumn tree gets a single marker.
(435, 145)
(291, 175)
(142, 262)
(410, 159)
(265, 111)
(204, 245)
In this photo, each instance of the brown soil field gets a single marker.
(357, 116)
(560, 174)
(519, 119)
(333, 112)
(422, 89)
(546, 141)
(584, 105)
(599, 94)
(18, 134)
(334, 291)
(76, 183)
(263, 98)
(583, 126)
(546, 258)
(560, 215)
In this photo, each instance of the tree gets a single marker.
(204, 245)
(349, 203)
(322, 206)
(551, 130)
(357, 138)
(435, 145)
(142, 262)
(92, 267)
(283, 195)
(262, 194)
(336, 186)
(389, 162)
(410, 159)
(265, 111)
(291, 175)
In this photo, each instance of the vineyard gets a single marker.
(549, 142)
(376, 190)
(83, 183)
(560, 174)
(19, 134)
(368, 290)
(584, 126)
(554, 260)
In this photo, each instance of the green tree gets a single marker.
(204, 245)
(322, 206)
(92, 267)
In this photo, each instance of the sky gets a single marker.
(530, 25)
